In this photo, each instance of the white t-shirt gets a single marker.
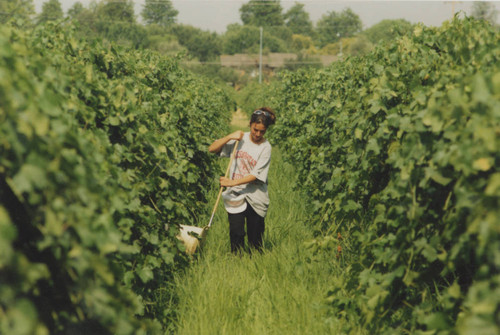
(251, 159)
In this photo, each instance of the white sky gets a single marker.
(215, 15)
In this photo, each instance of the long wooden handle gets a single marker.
(220, 190)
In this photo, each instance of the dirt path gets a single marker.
(240, 119)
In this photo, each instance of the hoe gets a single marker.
(192, 235)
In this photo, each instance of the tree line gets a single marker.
(284, 31)
(290, 31)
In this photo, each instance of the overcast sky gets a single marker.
(215, 15)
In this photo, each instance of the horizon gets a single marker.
(216, 15)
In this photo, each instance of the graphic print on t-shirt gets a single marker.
(244, 165)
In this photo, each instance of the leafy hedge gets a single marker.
(100, 148)
(400, 151)
(255, 95)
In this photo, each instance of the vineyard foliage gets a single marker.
(400, 151)
(100, 149)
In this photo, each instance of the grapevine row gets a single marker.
(100, 149)
(399, 151)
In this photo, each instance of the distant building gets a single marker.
(271, 60)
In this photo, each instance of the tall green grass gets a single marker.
(280, 291)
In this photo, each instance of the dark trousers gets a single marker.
(255, 229)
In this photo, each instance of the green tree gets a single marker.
(201, 44)
(262, 13)
(51, 11)
(297, 19)
(246, 39)
(111, 21)
(160, 12)
(116, 10)
(162, 40)
(333, 26)
(85, 19)
(357, 45)
(283, 33)
(301, 42)
(76, 10)
(114, 20)
(485, 11)
(16, 9)
(387, 30)
(239, 39)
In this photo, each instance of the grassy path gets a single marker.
(280, 291)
